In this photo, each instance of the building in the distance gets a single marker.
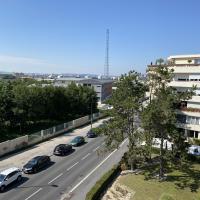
(186, 75)
(103, 88)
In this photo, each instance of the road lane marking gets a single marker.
(55, 178)
(33, 194)
(85, 156)
(72, 166)
(96, 148)
(123, 142)
(94, 169)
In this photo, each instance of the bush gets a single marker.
(102, 184)
(196, 141)
(193, 158)
(155, 150)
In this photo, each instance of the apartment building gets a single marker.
(186, 75)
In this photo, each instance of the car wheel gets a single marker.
(34, 170)
(2, 188)
(19, 178)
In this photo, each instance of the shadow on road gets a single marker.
(16, 184)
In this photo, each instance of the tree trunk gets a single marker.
(161, 172)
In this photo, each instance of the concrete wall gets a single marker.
(81, 121)
(28, 140)
(13, 145)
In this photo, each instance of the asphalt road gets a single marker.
(69, 176)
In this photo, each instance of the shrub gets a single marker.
(102, 184)
(193, 158)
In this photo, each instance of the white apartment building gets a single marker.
(186, 75)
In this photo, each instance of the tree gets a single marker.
(127, 105)
(159, 118)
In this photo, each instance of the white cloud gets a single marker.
(24, 64)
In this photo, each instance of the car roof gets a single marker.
(78, 137)
(38, 157)
(61, 145)
(8, 171)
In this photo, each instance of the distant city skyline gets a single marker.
(62, 36)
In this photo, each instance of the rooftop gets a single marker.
(184, 56)
(95, 81)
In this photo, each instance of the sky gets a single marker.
(69, 36)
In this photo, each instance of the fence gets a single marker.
(27, 140)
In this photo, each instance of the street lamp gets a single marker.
(91, 114)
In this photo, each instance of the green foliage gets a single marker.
(196, 141)
(102, 184)
(127, 105)
(159, 117)
(27, 102)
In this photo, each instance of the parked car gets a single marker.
(36, 163)
(77, 141)
(62, 149)
(91, 134)
(8, 176)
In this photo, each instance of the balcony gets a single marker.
(189, 111)
(176, 65)
(193, 127)
(179, 68)
(185, 84)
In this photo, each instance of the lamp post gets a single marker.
(91, 114)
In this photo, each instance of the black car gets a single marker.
(77, 141)
(91, 134)
(36, 163)
(62, 149)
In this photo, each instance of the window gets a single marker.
(196, 134)
(193, 134)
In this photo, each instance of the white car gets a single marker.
(194, 150)
(8, 176)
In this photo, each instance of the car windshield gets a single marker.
(2, 177)
(33, 162)
(76, 139)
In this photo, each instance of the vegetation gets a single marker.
(159, 117)
(127, 106)
(102, 184)
(27, 105)
(181, 183)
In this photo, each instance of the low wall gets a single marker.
(81, 121)
(40, 136)
(13, 145)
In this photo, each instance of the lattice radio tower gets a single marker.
(106, 67)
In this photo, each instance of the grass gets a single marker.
(181, 184)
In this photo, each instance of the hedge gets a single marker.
(102, 184)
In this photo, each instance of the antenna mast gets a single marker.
(106, 67)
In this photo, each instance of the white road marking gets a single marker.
(72, 166)
(96, 148)
(123, 142)
(85, 156)
(95, 169)
(33, 194)
(55, 178)
(92, 171)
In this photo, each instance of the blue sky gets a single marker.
(68, 36)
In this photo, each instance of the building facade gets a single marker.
(186, 75)
(103, 88)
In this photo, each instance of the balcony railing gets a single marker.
(176, 65)
(190, 109)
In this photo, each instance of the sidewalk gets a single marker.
(45, 148)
